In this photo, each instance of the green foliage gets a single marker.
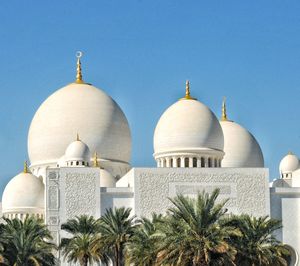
(26, 243)
(144, 244)
(117, 227)
(193, 235)
(256, 245)
(195, 231)
(84, 245)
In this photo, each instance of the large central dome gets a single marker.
(79, 108)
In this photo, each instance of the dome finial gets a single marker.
(95, 160)
(79, 74)
(77, 137)
(224, 112)
(187, 89)
(187, 92)
(25, 167)
(290, 153)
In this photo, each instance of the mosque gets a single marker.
(79, 146)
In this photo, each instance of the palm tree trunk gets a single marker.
(84, 261)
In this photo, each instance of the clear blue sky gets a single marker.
(141, 53)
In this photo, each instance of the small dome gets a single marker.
(24, 194)
(289, 163)
(188, 125)
(106, 179)
(241, 148)
(77, 151)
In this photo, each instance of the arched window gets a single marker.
(216, 162)
(194, 162)
(202, 162)
(171, 163)
(77, 163)
(209, 162)
(178, 162)
(186, 162)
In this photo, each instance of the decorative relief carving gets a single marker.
(53, 175)
(53, 198)
(53, 220)
(80, 194)
(246, 188)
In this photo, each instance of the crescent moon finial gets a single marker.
(79, 54)
(79, 74)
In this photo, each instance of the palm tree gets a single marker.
(193, 235)
(84, 246)
(117, 227)
(143, 245)
(257, 245)
(26, 243)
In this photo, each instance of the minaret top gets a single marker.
(25, 170)
(79, 74)
(224, 112)
(187, 92)
(95, 160)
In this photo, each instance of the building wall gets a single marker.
(246, 188)
(285, 204)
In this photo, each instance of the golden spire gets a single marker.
(25, 168)
(187, 92)
(77, 137)
(290, 153)
(79, 74)
(224, 113)
(95, 160)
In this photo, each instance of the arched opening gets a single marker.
(292, 260)
(186, 162)
(194, 162)
(178, 162)
(216, 162)
(209, 162)
(171, 163)
(77, 163)
(202, 162)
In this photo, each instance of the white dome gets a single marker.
(288, 164)
(106, 179)
(240, 147)
(23, 194)
(83, 109)
(188, 125)
(78, 151)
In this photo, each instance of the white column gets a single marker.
(205, 162)
(198, 162)
(212, 162)
(191, 162)
(175, 162)
(168, 161)
(182, 162)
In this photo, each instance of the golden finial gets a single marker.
(187, 92)
(77, 137)
(25, 167)
(224, 113)
(290, 153)
(79, 74)
(95, 160)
